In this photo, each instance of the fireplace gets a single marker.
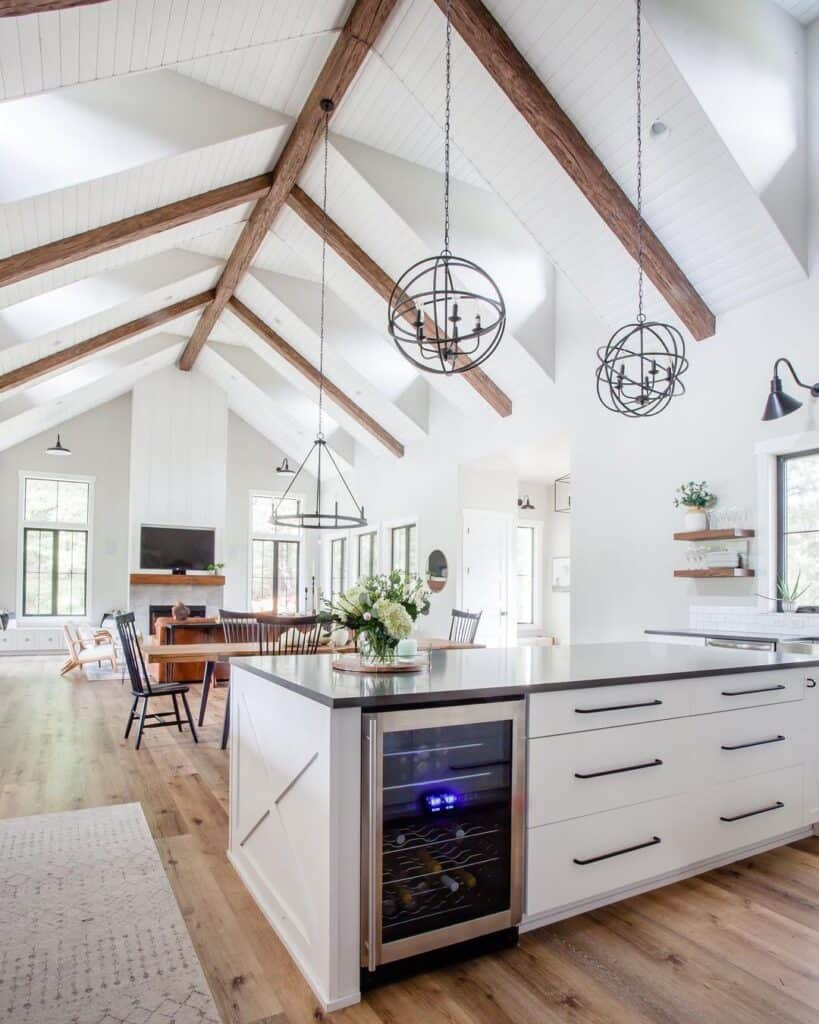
(158, 611)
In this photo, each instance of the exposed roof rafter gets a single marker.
(499, 56)
(348, 54)
(381, 282)
(51, 255)
(72, 353)
(306, 368)
(16, 8)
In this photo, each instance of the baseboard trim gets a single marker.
(260, 893)
(529, 924)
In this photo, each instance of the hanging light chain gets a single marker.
(447, 121)
(327, 107)
(640, 298)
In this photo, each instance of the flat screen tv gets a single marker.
(171, 547)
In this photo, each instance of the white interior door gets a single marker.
(487, 544)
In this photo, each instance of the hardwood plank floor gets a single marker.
(739, 945)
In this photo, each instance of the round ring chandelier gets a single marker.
(640, 368)
(446, 314)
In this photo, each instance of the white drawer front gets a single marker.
(600, 707)
(554, 878)
(583, 773)
(747, 811)
(587, 772)
(747, 689)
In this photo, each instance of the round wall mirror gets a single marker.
(437, 571)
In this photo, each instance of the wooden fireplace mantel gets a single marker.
(156, 579)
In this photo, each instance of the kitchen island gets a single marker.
(609, 769)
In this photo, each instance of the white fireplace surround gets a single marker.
(142, 597)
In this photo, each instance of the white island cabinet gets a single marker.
(645, 763)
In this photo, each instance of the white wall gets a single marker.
(251, 466)
(178, 454)
(99, 441)
(625, 472)
(745, 60)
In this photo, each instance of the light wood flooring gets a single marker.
(736, 946)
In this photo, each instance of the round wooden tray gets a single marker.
(353, 663)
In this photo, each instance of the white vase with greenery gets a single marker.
(695, 498)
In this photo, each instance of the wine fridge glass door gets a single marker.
(443, 843)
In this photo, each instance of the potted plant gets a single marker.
(788, 594)
(695, 498)
(382, 610)
(215, 568)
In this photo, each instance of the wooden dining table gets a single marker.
(221, 650)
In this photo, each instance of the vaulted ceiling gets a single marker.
(113, 110)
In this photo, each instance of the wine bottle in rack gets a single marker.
(466, 878)
(448, 882)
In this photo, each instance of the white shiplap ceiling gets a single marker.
(804, 10)
(208, 92)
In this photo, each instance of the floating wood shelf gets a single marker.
(730, 534)
(156, 579)
(704, 574)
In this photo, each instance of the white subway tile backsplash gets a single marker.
(743, 617)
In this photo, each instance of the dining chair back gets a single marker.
(239, 627)
(145, 690)
(464, 626)
(289, 634)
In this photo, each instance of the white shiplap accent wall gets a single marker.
(178, 454)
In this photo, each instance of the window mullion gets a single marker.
(54, 569)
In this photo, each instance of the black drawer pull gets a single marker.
(750, 814)
(761, 689)
(618, 707)
(753, 743)
(616, 771)
(618, 853)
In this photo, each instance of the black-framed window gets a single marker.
(56, 521)
(404, 548)
(367, 554)
(338, 567)
(274, 580)
(798, 522)
(525, 574)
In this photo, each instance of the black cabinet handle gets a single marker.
(811, 683)
(616, 771)
(753, 743)
(750, 814)
(618, 707)
(761, 689)
(617, 853)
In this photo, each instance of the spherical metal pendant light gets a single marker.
(323, 517)
(640, 368)
(446, 314)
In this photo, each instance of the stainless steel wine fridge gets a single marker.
(442, 827)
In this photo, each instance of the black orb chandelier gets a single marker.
(446, 314)
(323, 517)
(640, 369)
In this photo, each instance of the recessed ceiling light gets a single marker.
(659, 130)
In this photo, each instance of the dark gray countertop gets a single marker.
(510, 672)
(717, 634)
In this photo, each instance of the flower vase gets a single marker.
(377, 650)
(695, 519)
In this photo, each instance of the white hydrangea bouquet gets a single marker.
(382, 610)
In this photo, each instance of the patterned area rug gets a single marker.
(91, 931)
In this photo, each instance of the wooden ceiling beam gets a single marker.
(381, 282)
(72, 353)
(499, 56)
(348, 54)
(311, 373)
(63, 251)
(17, 8)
